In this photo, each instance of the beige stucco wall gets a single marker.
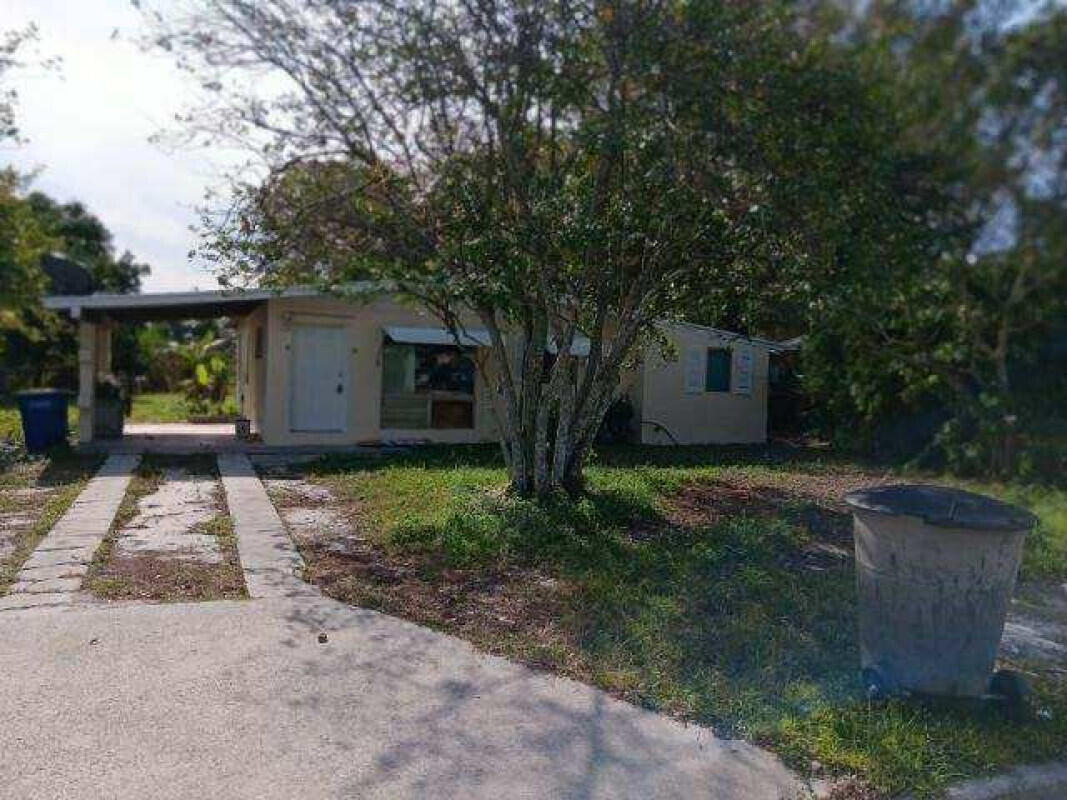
(656, 388)
(701, 417)
(363, 322)
(252, 371)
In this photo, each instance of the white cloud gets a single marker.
(89, 126)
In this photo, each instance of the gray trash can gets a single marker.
(935, 570)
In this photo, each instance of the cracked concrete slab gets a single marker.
(60, 571)
(47, 585)
(167, 520)
(25, 600)
(55, 558)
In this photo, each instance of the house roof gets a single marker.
(238, 302)
(729, 335)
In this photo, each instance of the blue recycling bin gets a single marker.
(44, 418)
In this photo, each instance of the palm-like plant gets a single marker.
(205, 360)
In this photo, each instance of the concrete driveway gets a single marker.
(240, 700)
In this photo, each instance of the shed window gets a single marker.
(717, 377)
(259, 342)
(426, 386)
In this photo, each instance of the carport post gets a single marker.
(94, 358)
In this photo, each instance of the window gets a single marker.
(717, 376)
(259, 342)
(426, 386)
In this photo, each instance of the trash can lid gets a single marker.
(942, 506)
(38, 392)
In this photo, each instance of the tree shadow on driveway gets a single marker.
(440, 719)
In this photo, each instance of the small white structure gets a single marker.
(319, 369)
(713, 390)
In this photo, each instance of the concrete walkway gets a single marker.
(270, 560)
(241, 700)
(54, 572)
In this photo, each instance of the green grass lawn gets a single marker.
(714, 585)
(168, 407)
(158, 407)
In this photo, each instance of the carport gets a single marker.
(98, 315)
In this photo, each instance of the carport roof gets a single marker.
(170, 305)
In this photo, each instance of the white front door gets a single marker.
(318, 379)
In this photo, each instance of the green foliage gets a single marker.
(23, 240)
(40, 347)
(781, 169)
(949, 349)
(610, 161)
(85, 239)
(207, 361)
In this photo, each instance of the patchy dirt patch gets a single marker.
(731, 602)
(161, 579)
(701, 505)
(1036, 630)
(34, 493)
(826, 486)
(511, 613)
(172, 540)
(16, 524)
(295, 490)
(498, 610)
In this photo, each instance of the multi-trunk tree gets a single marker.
(550, 169)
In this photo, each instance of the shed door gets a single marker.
(318, 375)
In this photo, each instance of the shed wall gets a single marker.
(701, 417)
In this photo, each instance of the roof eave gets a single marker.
(104, 302)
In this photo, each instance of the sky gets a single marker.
(88, 126)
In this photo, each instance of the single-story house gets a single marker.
(315, 368)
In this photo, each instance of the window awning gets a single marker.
(472, 337)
